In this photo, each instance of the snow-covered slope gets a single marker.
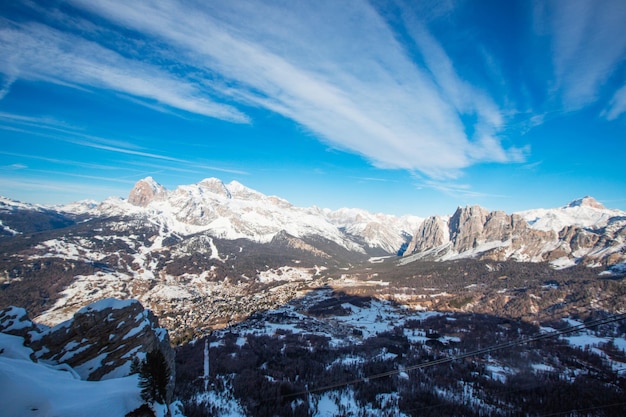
(50, 372)
(581, 230)
(36, 389)
(583, 212)
(101, 340)
(233, 211)
(376, 229)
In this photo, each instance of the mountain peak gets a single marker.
(241, 191)
(586, 201)
(215, 185)
(144, 192)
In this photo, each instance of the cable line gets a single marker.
(440, 361)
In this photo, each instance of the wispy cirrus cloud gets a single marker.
(33, 51)
(339, 70)
(454, 189)
(335, 68)
(588, 46)
(190, 167)
(48, 127)
(55, 129)
(617, 106)
(47, 191)
(14, 167)
(5, 83)
(57, 161)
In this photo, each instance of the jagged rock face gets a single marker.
(597, 237)
(494, 236)
(528, 244)
(102, 339)
(144, 192)
(577, 238)
(433, 232)
(500, 226)
(466, 227)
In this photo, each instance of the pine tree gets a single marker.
(154, 374)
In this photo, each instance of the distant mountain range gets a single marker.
(583, 231)
(209, 254)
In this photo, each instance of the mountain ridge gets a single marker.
(207, 254)
(582, 231)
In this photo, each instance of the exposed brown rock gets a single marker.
(102, 339)
(433, 232)
(144, 192)
(466, 227)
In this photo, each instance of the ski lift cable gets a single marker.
(489, 349)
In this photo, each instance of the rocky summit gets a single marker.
(474, 232)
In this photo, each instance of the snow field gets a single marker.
(37, 390)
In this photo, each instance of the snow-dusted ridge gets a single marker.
(582, 212)
(581, 231)
(233, 211)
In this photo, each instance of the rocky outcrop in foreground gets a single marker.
(100, 342)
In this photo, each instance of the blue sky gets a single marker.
(411, 107)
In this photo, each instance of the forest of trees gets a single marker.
(286, 373)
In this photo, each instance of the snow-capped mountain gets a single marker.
(17, 217)
(206, 254)
(584, 212)
(233, 211)
(582, 231)
(284, 280)
(375, 229)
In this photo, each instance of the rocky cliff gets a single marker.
(100, 342)
(598, 238)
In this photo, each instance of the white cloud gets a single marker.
(453, 189)
(617, 106)
(5, 84)
(336, 68)
(589, 44)
(55, 129)
(50, 190)
(14, 167)
(35, 52)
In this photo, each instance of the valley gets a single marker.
(304, 311)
